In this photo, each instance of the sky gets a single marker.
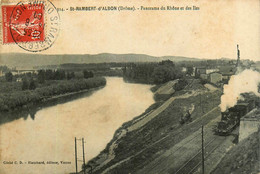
(211, 32)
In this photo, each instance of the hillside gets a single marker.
(242, 158)
(144, 143)
(30, 60)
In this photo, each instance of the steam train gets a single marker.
(230, 119)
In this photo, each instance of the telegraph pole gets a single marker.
(83, 155)
(201, 105)
(202, 149)
(76, 155)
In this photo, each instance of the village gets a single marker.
(187, 94)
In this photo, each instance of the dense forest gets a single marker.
(35, 87)
(98, 69)
(152, 73)
(14, 99)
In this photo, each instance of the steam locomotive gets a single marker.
(230, 119)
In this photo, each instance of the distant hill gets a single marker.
(31, 60)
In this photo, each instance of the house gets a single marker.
(215, 77)
(256, 66)
(19, 72)
(199, 71)
(27, 71)
(249, 124)
(19, 79)
(208, 71)
(204, 76)
(227, 71)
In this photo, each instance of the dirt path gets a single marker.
(167, 88)
(160, 109)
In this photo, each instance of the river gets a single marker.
(48, 134)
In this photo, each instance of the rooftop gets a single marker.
(253, 115)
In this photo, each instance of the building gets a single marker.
(166, 90)
(27, 71)
(215, 77)
(256, 66)
(184, 69)
(208, 71)
(227, 71)
(19, 79)
(19, 72)
(249, 124)
(199, 71)
(204, 76)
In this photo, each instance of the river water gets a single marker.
(48, 134)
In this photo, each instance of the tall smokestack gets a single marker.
(238, 56)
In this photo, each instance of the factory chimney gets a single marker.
(238, 56)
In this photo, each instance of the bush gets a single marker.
(32, 85)
(25, 84)
(88, 74)
(9, 77)
(203, 82)
(182, 83)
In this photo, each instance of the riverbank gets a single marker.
(31, 109)
(94, 115)
(47, 99)
(17, 99)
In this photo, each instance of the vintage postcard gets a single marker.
(129, 87)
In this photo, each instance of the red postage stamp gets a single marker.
(33, 26)
(23, 23)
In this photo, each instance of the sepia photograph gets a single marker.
(129, 87)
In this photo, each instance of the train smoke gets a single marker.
(246, 81)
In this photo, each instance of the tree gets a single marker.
(88, 74)
(25, 84)
(62, 75)
(41, 76)
(189, 70)
(9, 77)
(32, 85)
(182, 83)
(59, 75)
(203, 81)
(70, 75)
(49, 74)
(167, 63)
(164, 74)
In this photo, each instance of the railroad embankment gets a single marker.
(147, 137)
(242, 158)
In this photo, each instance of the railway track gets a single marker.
(167, 161)
(193, 163)
(195, 138)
